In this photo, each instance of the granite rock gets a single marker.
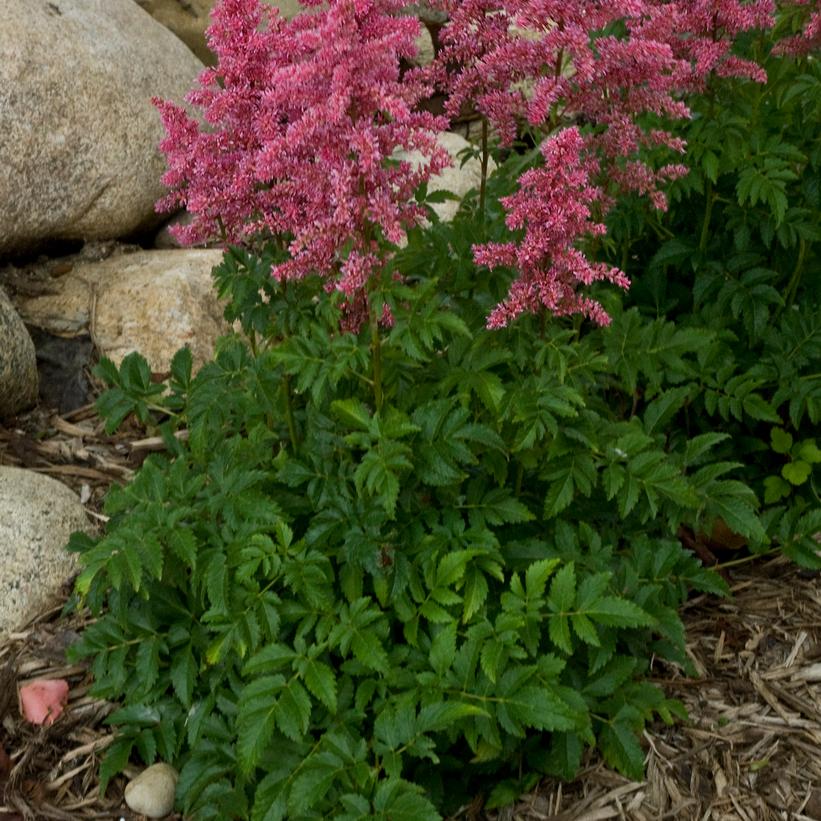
(79, 136)
(37, 516)
(154, 302)
(18, 364)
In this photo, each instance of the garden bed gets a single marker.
(749, 751)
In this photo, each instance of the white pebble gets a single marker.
(151, 793)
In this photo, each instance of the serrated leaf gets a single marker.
(321, 681)
(559, 496)
(563, 589)
(493, 651)
(313, 782)
(585, 630)
(397, 800)
(183, 674)
(740, 517)
(293, 711)
(700, 445)
(352, 412)
(443, 649)
(780, 440)
(115, 760)
(256, 719)
(558, 628)
(475, 593)
(181, 366)
(615, 612)
(565, 755)
(536, 577)
(621, 749)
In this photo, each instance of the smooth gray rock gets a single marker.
(18, 363)
(151, 793)
(79, 136)
(37, 516)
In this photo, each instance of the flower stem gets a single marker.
(485, 158)
(289, 413)
(795, 279)
(376, 355)
(708, 214)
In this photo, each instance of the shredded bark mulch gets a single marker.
(751, 750)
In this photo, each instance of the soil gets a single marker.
(751, 749)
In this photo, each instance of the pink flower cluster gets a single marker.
(302, 120)
(809, 39)
(555, 63)
(553, 207)
(703, 33)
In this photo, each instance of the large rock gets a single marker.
(154, 302)
(37, 515)
(18, 363)
(79, 134)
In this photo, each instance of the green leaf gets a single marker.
(775, 489)
(397, 800)
(256, 719)
(796, 473)
(314, 781)
(115, 760)
(781, 440)
(536, 576)
(621, 749)
(559, 496)
(615, 612)
(443, 649)
(809, 452)
(563, 589)
(321, 681)
(293, 711)
(352, 412)
(565, 755)
(181, 366)
(183, 674)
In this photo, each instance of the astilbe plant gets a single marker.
(387, 568)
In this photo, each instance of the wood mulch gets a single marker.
(751, 750)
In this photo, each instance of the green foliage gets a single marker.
(735, 262)
(328, 599)
(324, 618)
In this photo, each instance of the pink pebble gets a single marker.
(42, 700)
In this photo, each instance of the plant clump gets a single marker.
(429, 528)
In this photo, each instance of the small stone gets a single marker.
(151, 793)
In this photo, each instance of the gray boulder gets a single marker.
(37, 516)
(79, 136)
(18, 363)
